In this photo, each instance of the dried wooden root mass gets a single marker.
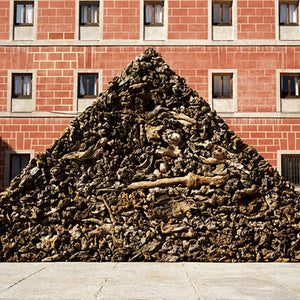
(149, 173)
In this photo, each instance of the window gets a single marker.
(17, 162)
(290, 167)
(89, 13)
(87, 85)
(222, 86)
(154, 13)
(22, 86)
(222, 13)
(289, 85)
(288, 13)
(24, 13)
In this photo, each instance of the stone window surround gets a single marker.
(279, 161)
(75, 89)
(11, 18)
(77, 18)
(9, 88)
(234, 87)
(278, 98)
(277, 26)
(7, 162)
(234, 19)
(165, 19)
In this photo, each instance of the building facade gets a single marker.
(243, 56)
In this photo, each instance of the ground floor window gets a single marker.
(290, 167)
(17, 162)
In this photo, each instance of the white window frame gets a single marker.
(31, 102)
(279, 161)
(100, 19)
(76, 99)
(7, 162)
(277, 22)
(293, 103)
(232, 100)
(165, 19)
(12, 21)
(233, 20)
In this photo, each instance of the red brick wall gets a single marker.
(256, 19)
(187, 19)
(256, 70)
(121, 19)
(28, 134)
(4, 19)
(268, 136)
(56, 19)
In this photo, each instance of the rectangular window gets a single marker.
(289, 85)
(22, 86)
(288, 13)
(17, 162)
(87, 85)
(23, 13)
(222, 85)
(89, 13)
(222, 13)
(290, 167)
(153, 13)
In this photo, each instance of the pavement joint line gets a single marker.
(106, 279)
(280, 284)
(191, 281)
(30, 275)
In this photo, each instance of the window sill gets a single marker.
(292, 24)
(290, 98)
(154, 25)
(90, 25)
(222, 25)
(22, 105)
(23, 25)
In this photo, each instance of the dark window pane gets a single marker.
(83, 85)
(93, 85)
(17, 163)
(291, 168)
(285, 85)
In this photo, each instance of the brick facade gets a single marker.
(57, 54)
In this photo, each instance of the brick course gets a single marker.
(256, 70)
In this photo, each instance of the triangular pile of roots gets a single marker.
(149, 173)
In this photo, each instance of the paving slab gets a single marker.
(75, 280)
(148, 281)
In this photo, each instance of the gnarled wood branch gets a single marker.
(191, 180)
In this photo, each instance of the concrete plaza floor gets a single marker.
(149, 281)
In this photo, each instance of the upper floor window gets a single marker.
(88, 85)
(89, 13)
(288, 13)
(289, 85)
(154, 12)
(290, 167)
(17, 162)
(222, 13)
(222, 85)
(24, 13)
(22, 85)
